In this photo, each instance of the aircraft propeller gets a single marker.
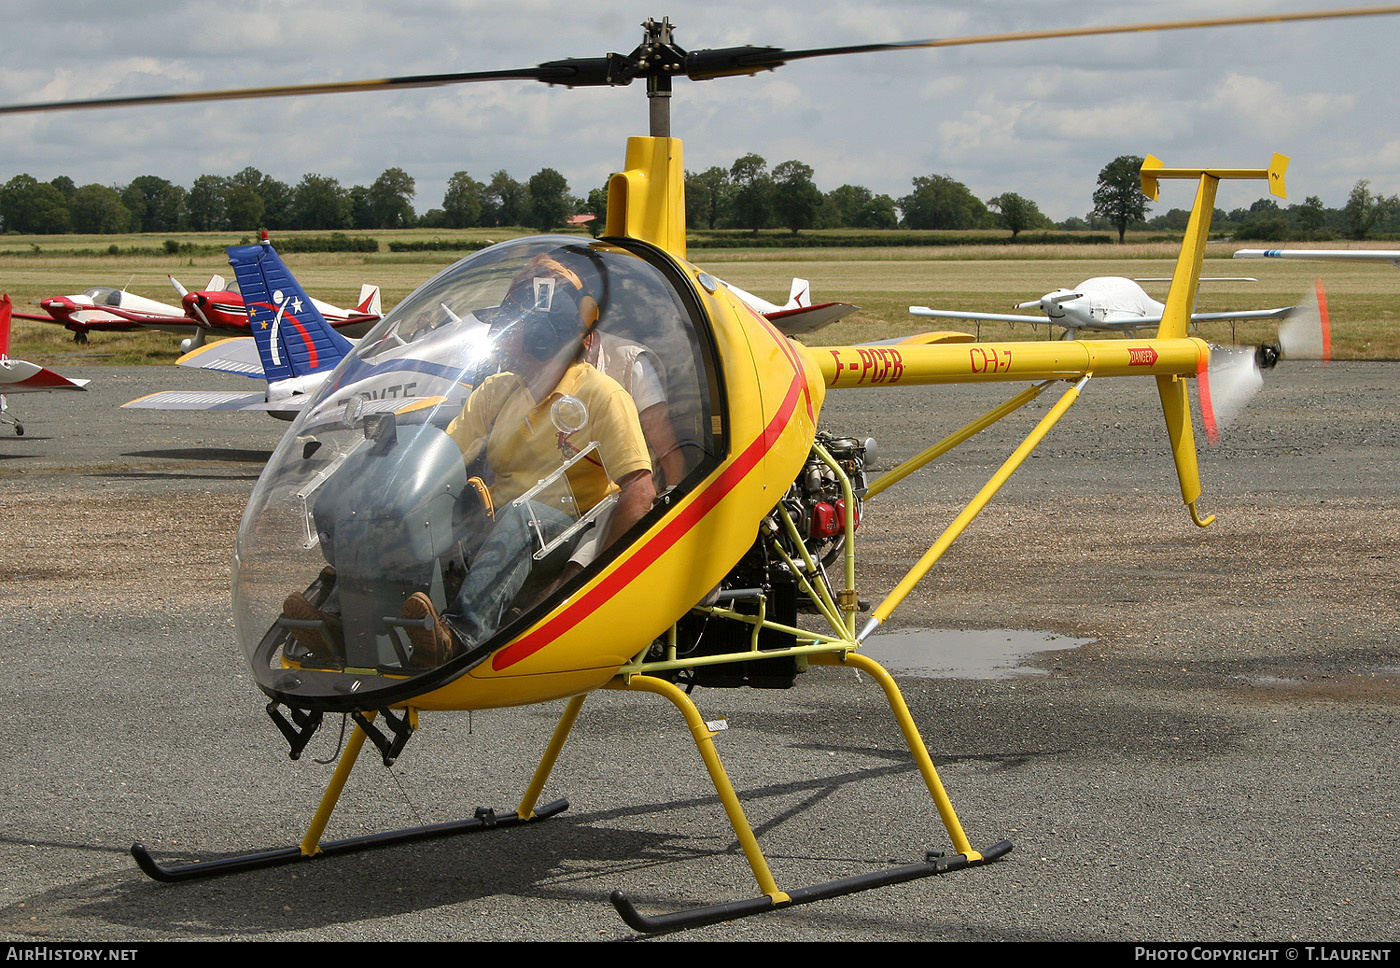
(1049, 304)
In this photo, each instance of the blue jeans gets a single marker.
(501, 567)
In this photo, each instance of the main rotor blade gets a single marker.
(1095, 31)
(544, 72)
(698, 65)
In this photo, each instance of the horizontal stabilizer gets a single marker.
(20, 376)
(797, 315)
(924, 339)
(17, 376)
(238, 355)
(807, 319)
(202, 400)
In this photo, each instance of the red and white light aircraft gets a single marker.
(215, 310)
(105, 309)
(18, 376)
(798, 314)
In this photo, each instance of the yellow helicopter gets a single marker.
(690, 524)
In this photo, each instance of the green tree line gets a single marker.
(747, 196)
(251, 200)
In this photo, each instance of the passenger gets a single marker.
(641, 374)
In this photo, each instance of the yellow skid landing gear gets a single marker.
(311, 846)
(771, 896)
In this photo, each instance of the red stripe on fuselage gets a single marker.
(632, 567)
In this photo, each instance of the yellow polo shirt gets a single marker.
(524, 446)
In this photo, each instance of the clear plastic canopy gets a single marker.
(472, 450)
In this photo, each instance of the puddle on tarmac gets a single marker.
(953, 654)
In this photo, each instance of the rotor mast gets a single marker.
(659, 53)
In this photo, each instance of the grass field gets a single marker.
(1364, 299)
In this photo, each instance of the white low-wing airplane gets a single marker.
(1325, 255)
(19, 376)
(1108, 303)
(294, 347)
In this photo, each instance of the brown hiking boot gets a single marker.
(431, 646)
(312, 640)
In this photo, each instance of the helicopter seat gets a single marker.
(641, 372)
(385, 523)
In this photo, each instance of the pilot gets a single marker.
(514, 418)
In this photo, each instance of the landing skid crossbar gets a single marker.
(485, 819)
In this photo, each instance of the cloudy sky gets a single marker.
(1039, 118)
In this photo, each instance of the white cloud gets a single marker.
(1266, 108)
(1039, 118)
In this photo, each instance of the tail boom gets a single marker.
(905, 365)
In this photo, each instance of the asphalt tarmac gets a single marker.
(1218, 763)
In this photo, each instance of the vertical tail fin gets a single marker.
(370, 303)
(800, 295)
(292, 336)
(1176, 317)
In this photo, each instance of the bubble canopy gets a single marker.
(481, 446)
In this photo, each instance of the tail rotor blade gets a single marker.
(1232, 380)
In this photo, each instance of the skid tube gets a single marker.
(715, 913)
(485, 819)
(311, 846)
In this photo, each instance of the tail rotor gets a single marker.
(1236, 373)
